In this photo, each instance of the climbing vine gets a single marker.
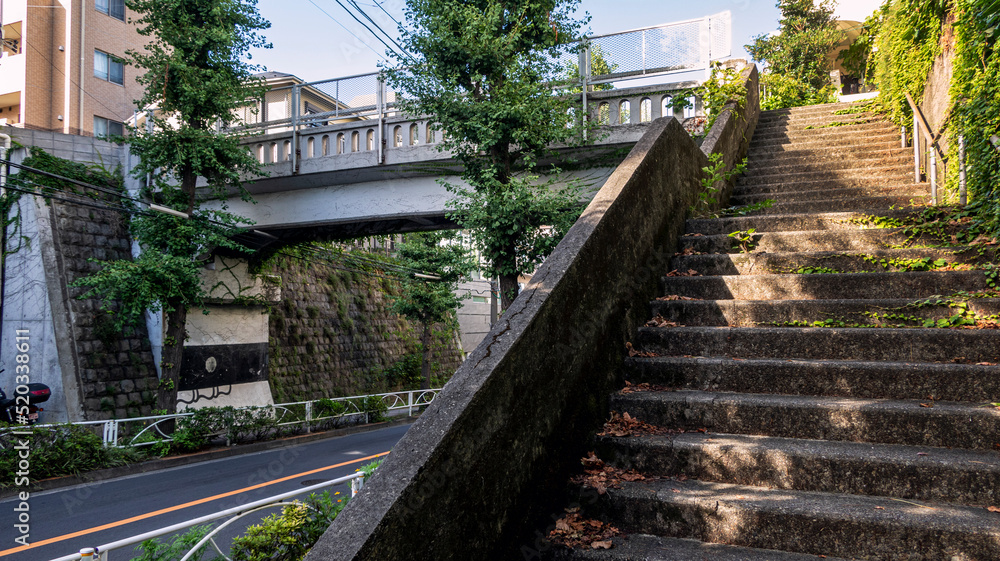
(975, 111)
(909, 34)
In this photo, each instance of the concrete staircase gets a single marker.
(788, 441)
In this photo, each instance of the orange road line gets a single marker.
(180, 506)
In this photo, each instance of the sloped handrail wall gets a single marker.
(467, 479)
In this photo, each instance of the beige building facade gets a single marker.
(61, 67)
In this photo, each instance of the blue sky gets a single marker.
(312, 45)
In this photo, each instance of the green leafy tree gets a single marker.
(482, 69)
(797, 70)
(431, 301)
(196, 77)
(599, 66)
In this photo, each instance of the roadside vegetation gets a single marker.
(284, 536)
(73, 449)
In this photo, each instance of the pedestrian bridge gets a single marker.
(343, 161)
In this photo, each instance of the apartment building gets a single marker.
(61, 68)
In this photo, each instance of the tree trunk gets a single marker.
(425, 364)
(170, 364)
(508, 290)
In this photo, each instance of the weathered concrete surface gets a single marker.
(654, 548)
(854, 262)
(844, 378)
(867, 312)
(905, 422)
(966, 476)
(837, 343)
(471, 473)
(920, 284)
(809, 522)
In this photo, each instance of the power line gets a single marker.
(350, 13)
(377, 26)
(349, 31)
(379, 4)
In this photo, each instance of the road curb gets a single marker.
(148, 466)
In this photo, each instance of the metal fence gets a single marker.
(148, 431)
(683, 46)
(101, 552)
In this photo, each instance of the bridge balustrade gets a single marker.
(345, 117)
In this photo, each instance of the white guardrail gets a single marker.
(147, 431)
(100, 553)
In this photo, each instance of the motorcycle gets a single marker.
(22, 408)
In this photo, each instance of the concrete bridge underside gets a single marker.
(339, 203)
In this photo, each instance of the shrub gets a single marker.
(155, 550)
(375, 408)
(61, 450)
(290, 535)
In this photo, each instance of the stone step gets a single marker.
(905, 259)
(644, 547)
(898, 312)
(792, 193)
(855, 204)
(879, 140)
(799, 163)
(886, 470)
(830, 155)
(792, 222)
(850, 526)
(811, 240)
(825, 343)
(775, 189)
(914, 284)
(831, 378)
(940, 424)
(810, 110)
(819, 122)
(846, 134)
(878, 174)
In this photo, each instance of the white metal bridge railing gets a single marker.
(366, 101)
(148, 431)
(101, 552)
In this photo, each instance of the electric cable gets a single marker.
(382, 56)
(377, 26)
(379, 4)
(350, 13)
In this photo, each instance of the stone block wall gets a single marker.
(116, 370)
(333, 333)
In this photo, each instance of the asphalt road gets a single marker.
(65, 520)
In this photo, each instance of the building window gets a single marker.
(107, 127)
(107, 67)
(114, 8)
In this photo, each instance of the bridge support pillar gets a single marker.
(225, 355)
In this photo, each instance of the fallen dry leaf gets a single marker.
(927, 405)
(645, 387)
(626, 425)
(575, 531)
(641, 354)
(660, 321)
(687, 251)
(688, 273)
(669, 297)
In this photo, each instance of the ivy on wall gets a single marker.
(975, 94)
(909, 34)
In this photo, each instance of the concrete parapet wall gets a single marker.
(471, 473)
